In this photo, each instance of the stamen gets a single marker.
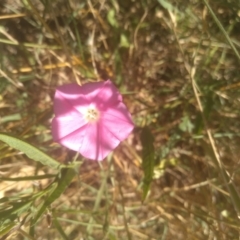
(92, 115)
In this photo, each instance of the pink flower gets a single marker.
(90, 119)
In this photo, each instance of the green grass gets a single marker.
(177, 66)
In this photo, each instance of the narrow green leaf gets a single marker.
(10, 118)
(31, 151)
(234, 194)
(63, 180)
(57, 225)
(147, 159)
(29, 178)
(6, 229)
(111, 17)
(14, 211)
(167, 5)
(220, 26)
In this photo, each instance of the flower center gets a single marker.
(92, 115)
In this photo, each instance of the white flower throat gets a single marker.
(92, 114)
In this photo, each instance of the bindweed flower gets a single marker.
(90, 119)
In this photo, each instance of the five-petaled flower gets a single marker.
(90, 119)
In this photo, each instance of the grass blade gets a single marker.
(147, 159)
(222, 29)
(59, 228)
(63, 181)
(31, 151)
(6, 229)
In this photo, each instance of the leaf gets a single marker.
(28, 178)
(63, 180)
(14, 211)
(148, 161)
(124, 41)
(186, 124)
(164, 163)
(111, 18)
(167, 5)
(31, 151)
(59, 228)
(7, 228)
(9, 118)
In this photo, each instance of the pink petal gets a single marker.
(98, 141)
(74, 140)
(92, 144)
(94, 140)
(118, 122)
(68, 98)
(103, 94)
(86, 140)
(107, 96)
(68, 104)
(66, 125)
(104, 91)
(101, 138)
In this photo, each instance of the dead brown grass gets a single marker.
(44, 44)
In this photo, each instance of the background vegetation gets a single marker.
(177, 65)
